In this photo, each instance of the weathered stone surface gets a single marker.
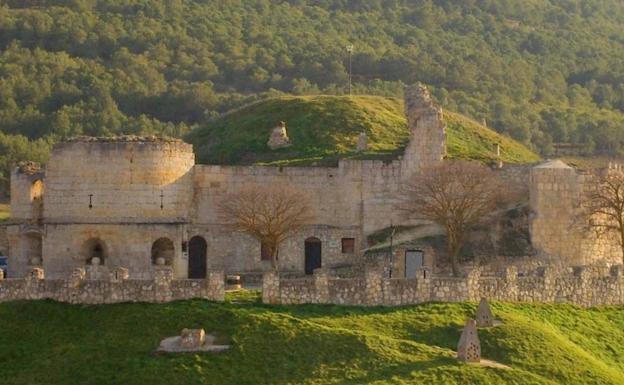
(469, 346)
(362, 143)
(586, 286)
(485, 318)
(192, 338)
(76, 289)
(279, 137)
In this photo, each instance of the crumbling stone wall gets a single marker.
(78, 289)
(427, 144)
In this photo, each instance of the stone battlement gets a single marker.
(583, 286)
(118, 288)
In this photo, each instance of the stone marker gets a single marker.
(233, 282)
(485, 318)
(192, 338)
(469, 347)
(362, 144)
(279, 137)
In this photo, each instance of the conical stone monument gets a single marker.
(485, 318)
(469, 347)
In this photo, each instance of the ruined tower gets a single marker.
(427, 144)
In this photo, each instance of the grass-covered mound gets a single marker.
(52, 343)
(325, 128)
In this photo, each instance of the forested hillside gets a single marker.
(542, 71)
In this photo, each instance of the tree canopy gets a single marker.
(543, 72)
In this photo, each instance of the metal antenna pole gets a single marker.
(350, 51)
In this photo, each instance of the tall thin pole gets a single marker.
(350, 51)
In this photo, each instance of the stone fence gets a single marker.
(117, 288)
(583, 286)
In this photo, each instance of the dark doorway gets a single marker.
(197, 258)
(413, 261)
(312, 254)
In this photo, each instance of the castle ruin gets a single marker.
(143, 204)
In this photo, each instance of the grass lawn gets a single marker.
(51, 343)
(325, 128)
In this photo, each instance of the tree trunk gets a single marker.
(453, 249)
(454, 264)
(274, 261)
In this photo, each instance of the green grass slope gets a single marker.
(325, 128)
(46, 342)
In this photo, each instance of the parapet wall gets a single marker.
(585, 286)
(118, 288)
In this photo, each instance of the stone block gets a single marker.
(192, 338)
(119, 274)
(36, 273)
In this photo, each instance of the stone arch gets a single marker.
(313, 255)
(94, 248)
(32, 245)
(163, 248)
(36, 198)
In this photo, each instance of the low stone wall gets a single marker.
(117, 288)
(583, 286)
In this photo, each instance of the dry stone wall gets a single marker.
(117, 288)
(584, 286)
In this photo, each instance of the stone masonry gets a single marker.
(117, 288)
(141, 203)
(583, 286)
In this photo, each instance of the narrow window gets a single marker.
(348, 245)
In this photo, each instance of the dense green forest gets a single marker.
(541, 71)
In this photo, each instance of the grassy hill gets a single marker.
(52, 343)
(325, 128)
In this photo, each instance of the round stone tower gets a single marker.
(123, 179)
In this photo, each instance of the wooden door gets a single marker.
(197, 258)
(312, 255)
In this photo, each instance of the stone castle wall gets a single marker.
(102, 181)
(556, 228)
(24, 181)
(114, 288)
(584, 286)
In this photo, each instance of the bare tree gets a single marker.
(602, 206)
(271, 214)
(457, 195)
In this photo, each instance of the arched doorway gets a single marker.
(94, 248)
(197, 258)
(312, 254)
(36, 197)
(163, 248)
(33, 248)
